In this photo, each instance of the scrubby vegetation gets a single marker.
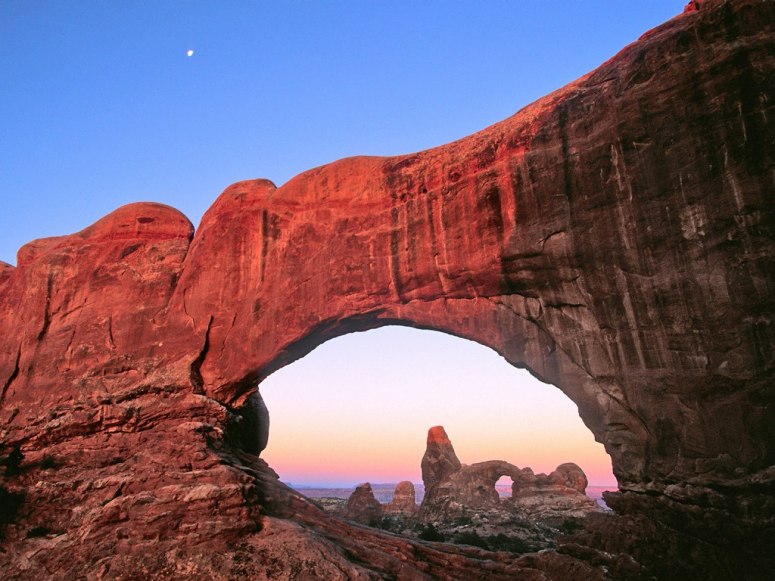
(499, 542)
(13, 462)
(10, 503)
(429, 533)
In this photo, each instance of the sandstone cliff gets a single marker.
(615, 237)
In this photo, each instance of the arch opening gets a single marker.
(504, 486)
(357, 409)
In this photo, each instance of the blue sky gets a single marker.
(101, 106)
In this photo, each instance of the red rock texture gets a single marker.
(615, 237)
(439, 461)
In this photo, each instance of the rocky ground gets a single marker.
(497, 529)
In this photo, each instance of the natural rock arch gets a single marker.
(323, 311)
(453, 489)
(381, 374)
(615, 237)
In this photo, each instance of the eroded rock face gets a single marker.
(615, 237)
(439, 461)
(561, 494)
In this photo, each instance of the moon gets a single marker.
(189, 52)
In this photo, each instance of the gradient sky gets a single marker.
(102, 107)
(358, 408)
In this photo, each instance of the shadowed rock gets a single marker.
(362, 506)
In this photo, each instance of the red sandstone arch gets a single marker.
(615, 237)
(595, 238)
(325, 299)
(572, 238)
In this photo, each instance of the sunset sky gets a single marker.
(359, 407)
(102, 106)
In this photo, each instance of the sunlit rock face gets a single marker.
(439, 461)
(615, 237)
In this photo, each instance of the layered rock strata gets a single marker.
(615, 237)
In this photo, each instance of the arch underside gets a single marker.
(509, 341)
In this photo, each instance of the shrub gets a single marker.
(10, 503)
(13, 461)
(389, 523)
(501, 542)
(471, 538)
(38, 532)
(429, 533)
(571, 525)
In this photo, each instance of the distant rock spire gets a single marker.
(362, 506)
(439, 461)
(404, 502)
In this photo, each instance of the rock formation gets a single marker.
(362, 506)
(453, 490)
(615, 237)
(560, 494)
(404, 501)
(439, 461)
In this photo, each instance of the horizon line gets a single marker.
(341, 485)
